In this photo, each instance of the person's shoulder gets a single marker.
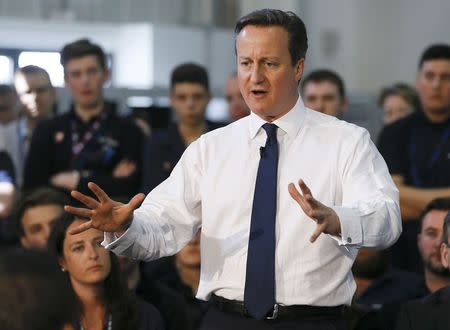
(403, 125)
(441, 296)
(227, 131)
(164, 136)
(57, 123)
(325, 124)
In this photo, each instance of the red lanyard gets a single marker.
(79, 144)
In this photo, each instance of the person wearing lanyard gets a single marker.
(271, 256)
(90, 142)
(417, 151)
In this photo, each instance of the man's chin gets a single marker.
(438, 269)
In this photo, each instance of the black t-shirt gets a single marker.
(51, 152)
(418, 150)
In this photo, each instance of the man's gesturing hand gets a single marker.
(327, 220)
(104, 214)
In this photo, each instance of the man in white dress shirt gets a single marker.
(346, 200)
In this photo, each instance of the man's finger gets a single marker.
(101, 195)
(86, 200)
(319, 230)
(78, 211)
(304, 188)
(295, 194)
(81, 228)
(136, 201)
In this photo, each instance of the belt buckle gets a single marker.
(274, 313)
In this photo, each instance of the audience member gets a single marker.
(429, 242)
(324, 91)
(416, 150)
(35, 213)
(9, 128)
(34, 293)
(89, 143)
(94, 274)
(398, 101)
(189, 96)
(381, 289)
(237, 108)
(37, 96)
(7, 196)
(432, 312)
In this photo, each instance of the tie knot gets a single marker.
(271, 130)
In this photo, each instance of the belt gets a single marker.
(280, 311)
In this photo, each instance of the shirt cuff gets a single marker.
(118, 244)
(351, 228)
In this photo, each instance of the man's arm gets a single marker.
(369, 213)
(167, 220)
(413, 200)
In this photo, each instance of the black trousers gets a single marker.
(216, 319)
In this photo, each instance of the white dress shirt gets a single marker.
(212, 188)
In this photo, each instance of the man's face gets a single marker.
(433, 86)
(429, 241)
(237, 108)
(268, 79)
(323, 96)
(189, 100)
(85, 77)
(36, 94)
(37, 222)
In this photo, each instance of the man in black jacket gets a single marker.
(90, 142)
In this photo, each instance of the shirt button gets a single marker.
(349, 239)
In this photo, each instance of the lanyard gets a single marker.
(437, 151)
(78, 144)
(109, 326)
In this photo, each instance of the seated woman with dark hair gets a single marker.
(104, 299)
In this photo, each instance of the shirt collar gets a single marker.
(290, 123)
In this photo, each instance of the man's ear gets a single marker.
(299, 67)
(444, 256)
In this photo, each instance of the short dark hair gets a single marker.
(35, 294)
(439, 204)
(37, 197)
(402, 90)
(435, 52)
(190, 73)
(446, 228)
(82, 48)
(34, 69)
(298, 39)
(318, 76)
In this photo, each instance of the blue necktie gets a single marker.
(259, 294)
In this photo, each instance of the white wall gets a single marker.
(144, 54)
